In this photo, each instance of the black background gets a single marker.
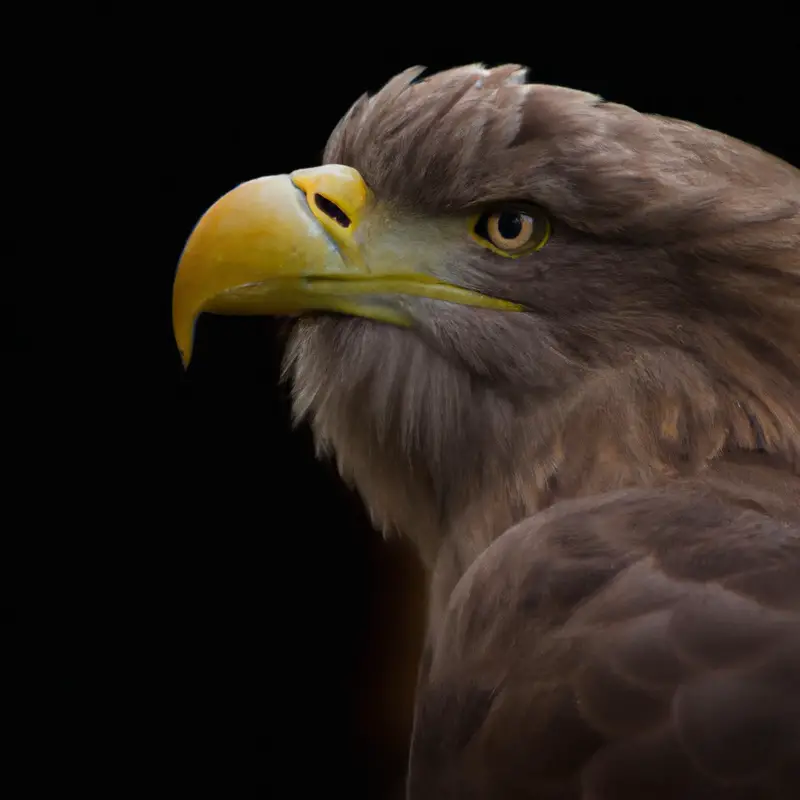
(203, 609)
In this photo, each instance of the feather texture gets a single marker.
(605, 488)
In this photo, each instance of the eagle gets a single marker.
(555, 343)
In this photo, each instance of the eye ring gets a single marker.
(512, 231)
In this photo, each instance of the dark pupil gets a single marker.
(509, 225)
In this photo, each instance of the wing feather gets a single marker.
(645, 644)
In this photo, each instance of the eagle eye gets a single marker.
(512, 231)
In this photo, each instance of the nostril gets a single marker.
(330, 208)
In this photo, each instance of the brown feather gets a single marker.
(659, 357)
(627, 646)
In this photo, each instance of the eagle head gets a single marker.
(505, 293)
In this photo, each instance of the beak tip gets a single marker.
(183, 334)
(186, 356)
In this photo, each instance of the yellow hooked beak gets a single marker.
(287, 245)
